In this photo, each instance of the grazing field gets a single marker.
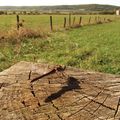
(95, 47)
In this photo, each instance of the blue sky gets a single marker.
(56, 2)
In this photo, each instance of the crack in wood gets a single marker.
(54, 105)
(93, 115)
(118, 105)
(75, 102)
(32, 90)
(60, 117)
(4, 85)
(23, 102)
(34, 95)
(57, 110)
(29, 76)
(100, 104)
(85, 105)
(47, 116)
(104, 105)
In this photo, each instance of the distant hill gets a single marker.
(78, 8)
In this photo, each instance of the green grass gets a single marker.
(95, 48)
(42, 21)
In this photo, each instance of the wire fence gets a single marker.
(53, 22)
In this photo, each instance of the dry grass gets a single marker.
(14, 35)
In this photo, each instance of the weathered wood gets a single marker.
(99, 19)
(51, 23)
(70, 19)
(18, 20)
(74, 18)
(104, 19)
(65, 21)
(80, 95)
(80, 21)
(95, 20)
(89, 22)
(117, 109)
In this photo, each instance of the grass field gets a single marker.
(42, 21)
(95, 47)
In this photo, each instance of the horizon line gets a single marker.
(54, 5)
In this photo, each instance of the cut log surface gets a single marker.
(70, 95)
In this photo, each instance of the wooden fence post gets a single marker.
(70, 20)
(64, 22)
(89, 20)
(104, 19)
(74, 21)
(98, 19)
(95, 20)
(80, 21)
(51, 23)
(18, 20)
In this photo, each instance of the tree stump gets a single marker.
(69, 95)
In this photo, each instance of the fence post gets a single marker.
(104, 19)
(51, 23)
(73, 21)
(64, 22)
(89, 20)
(18, 20)
(69, 19)
(95, 20)
(80, 21)
(98, 19)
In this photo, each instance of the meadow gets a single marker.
(43, 21)
(90, 47)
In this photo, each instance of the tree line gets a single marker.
(55, 12)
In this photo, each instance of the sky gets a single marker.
(55, 2)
